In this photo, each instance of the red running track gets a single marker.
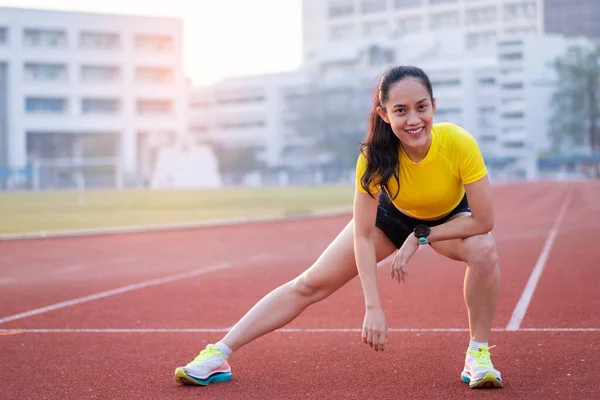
(66, 333)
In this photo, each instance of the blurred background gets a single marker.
(276, 93)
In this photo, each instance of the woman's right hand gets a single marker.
(374, 332)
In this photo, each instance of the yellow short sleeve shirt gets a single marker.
(434, 186)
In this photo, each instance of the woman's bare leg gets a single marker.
(332, 270)
(482, 279)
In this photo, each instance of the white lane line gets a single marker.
(291, 330)
(112, 292)
(559, 330)
(521, 307)
(68, 270)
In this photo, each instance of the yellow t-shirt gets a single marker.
(433, 187)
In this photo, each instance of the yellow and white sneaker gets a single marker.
(209, 366)
(479, 372)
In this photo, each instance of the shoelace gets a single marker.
(482, 355)
(209, 351)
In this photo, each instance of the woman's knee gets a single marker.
(309, 288)
(480, 251)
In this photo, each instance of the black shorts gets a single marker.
(397, 226)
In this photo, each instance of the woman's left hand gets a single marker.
(399, 267)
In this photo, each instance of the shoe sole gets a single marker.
(184, 379)
(488, 381)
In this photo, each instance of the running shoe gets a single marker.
(479, 372)
(208, 367)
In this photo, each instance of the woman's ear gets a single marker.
(382, 114)
(433, 105)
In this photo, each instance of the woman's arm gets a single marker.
(365, 213)
(481, 220)
(374, 331)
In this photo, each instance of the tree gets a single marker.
(575, 105)
(237, 159)
(330, 115)
(329, 121)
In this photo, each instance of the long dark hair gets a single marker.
(381, 144)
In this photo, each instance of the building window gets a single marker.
(408, 25)
(100, 106)
(379, 55)
(513, 130)
(449, 82)
(511, 56)
(448, 114)
(513, 115)
(239, 99)
(341, 32)
(514, 145)
(443, 20)
(340, 8)
(407, 3)
(481, 40)
(153, 75)
(373, 6)
(3, 35)
(512, 86)
(486, 117)
(521, 31)
(512, 100)
(99, 41)
(432, 2)
(41, 72)
(154, 43)
(45, 105)
(154, 107)
(44, 38)
(510, 43)
(234, 125)
(520, 11)
(375, 28)
(487, 81)
(93, 73)
(479, 16)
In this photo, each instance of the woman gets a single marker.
(412, 183)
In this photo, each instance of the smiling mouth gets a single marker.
(415, 132)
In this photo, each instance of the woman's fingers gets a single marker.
(403, 272)
(381, 340)
(398, 270)
(375, 339)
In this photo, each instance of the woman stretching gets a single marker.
(413, 179)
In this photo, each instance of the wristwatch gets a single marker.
(421, 232)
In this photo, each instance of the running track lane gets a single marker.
(326, 365)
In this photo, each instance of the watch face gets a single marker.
(421, 230)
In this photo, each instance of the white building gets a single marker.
(265, 112)
(501, 97)
(84, 95)
(247, 112)
(479, 22)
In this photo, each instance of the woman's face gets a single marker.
(409, 111)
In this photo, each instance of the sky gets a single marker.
(222, 38)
